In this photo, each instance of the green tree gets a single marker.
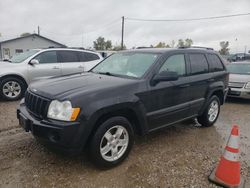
(185, 43)
(188, 42)
(118, 47)
(180, 43)
(25, 34)
(161, 45)
(101, 44)
(224, 48)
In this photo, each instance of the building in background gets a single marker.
(18, 45)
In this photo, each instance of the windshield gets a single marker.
(18, 58)
(239, 68)
(126, 64)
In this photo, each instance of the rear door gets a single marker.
(70, 62)
(48, 66)
(199, 80)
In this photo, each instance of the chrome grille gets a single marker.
(36, 105)
(236, 84)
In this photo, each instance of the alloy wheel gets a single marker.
(11, 89)
(114, 143)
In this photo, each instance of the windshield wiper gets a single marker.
(7, 60)
(105, 73)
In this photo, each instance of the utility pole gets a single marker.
(122, 33)
(82, 40)
(38, 30)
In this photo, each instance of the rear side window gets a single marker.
(91, 56)
(85, 56)
(175, 63)
(67, 56)
(215, 63)
(47, 57)
(82, 57)
(199, 64)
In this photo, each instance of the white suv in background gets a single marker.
(22, 69)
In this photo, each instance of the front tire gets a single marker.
(12, 88)
(112, 142)
(211, 113)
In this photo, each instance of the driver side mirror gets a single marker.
(34, 62)
(164, 76)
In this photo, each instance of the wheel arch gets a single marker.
(218, 91)
(220, 94)
(15, 76)
(137, 121)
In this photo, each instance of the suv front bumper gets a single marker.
(63, 135)
(239, 93)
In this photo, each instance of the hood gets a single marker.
(8, 65)
(239, 78)
(67, 86)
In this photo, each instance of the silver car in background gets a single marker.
(24, 68)
(239, 79)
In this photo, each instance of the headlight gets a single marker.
(62, 111)
(247, 86)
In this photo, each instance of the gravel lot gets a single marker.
(179, 156)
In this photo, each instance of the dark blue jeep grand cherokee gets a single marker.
(130, 92)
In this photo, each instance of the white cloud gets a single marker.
(78, 22)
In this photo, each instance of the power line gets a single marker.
(103, 27)
(188, 19)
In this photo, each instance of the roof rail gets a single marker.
(55, 47)
(201, 47)
(143, 47)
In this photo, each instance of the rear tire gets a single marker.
(12, 88)
(211, 113)
(111, 142)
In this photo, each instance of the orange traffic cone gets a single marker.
(227, 174)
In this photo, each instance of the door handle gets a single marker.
(185, 85)
(80, 67)
(55, 67)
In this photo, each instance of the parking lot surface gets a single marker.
(178, 156)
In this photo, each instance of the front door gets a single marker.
(48, 66)
(169, 100)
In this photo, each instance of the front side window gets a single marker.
(175, 63)
(215, 63)
(131, 64)
(199, 64)
(47, 57)
(67, 56)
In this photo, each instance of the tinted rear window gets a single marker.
(67, 56)
(91, 56)
(199, 63)
(85, 56)
(215, 63)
